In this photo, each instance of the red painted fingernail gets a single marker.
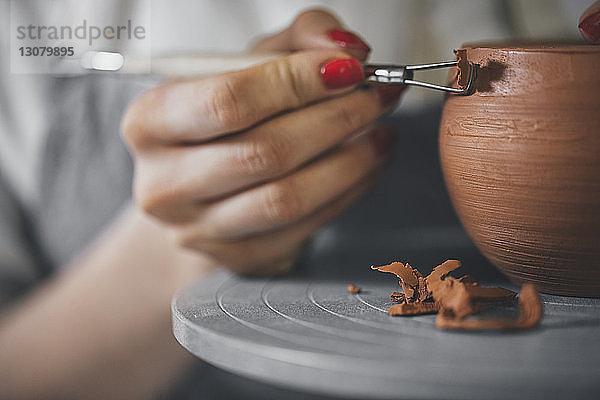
(348, 40)
(383, 139)
(342, 72)
(389, 94)
(590, 27)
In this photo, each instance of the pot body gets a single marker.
(521, 160)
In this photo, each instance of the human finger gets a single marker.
(187, 175)
(195, 111)
(589, 23)
(313, 29)
(298, 195)
(255, 254)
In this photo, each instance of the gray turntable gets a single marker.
(318, 337)
(309, 334)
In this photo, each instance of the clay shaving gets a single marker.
(455, 299)
(353, 289)
(531, 311)
(398, 297)
(414, 308)
(463, 68)
(412, 282)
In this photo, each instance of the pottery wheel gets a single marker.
(316, 336)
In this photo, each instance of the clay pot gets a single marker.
(521, 160)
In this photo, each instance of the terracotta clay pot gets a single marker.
(521, 160)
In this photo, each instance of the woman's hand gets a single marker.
(589, 23)
(245, 166)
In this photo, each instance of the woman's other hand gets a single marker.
(589, 23)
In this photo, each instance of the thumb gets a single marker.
(589, 23)
(315, 29)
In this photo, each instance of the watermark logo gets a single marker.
(90, 33)
(59, 37)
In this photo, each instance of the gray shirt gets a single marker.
(85, 176)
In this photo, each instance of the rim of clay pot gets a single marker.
(544, 46)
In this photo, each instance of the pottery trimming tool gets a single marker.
(194, 65)
(404, 75)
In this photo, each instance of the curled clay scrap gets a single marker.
(453, 296)
(462, 67)
(428, 307)
(416, 298)
(404, 272)
(531, 311)
(409, 279)
(460, 296)
(489, 293)
(441, 271)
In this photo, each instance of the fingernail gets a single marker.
(342, 72)
(590, 27)
(389, 94)
(383, 139)
(348, 40)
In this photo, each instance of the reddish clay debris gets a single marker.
(419, 308)
(353, 289)
(456, 299)
(530, 306)
(398, 297)
(463, 68)
(412, 282)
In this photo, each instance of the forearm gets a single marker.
(101, 329)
